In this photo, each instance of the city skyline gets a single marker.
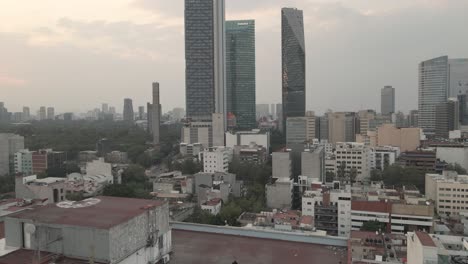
(72, 41)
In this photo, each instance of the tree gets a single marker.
(188, 166)
(376, 175)
(7, 184)
(456, 167)
(134, 174)
(353, 175)
(78, 196)
(119, 190)
(399, 176)
(373, 226)
(329, 176)
(341, 173)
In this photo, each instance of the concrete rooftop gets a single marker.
(208, 248)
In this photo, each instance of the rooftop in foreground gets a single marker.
(27, 256)
(101, 212)
(209, 248)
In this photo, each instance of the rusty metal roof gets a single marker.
(108, 212)
(27, 256)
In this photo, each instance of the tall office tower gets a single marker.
(321, 127)
(463, 108)
(387, 101)
(26, 113)
(458, 78)
(273, 111)
(240, 72)
(439, 79)
(205, 58)
(149, 117)
(112, 110)
(279, 117)
(50, 113)
(413, 118)
(42, 114)
(300, 130)
(141, 112)
(293, 63)
(128, 113)
(4, 116)
(105, 108)
(447, 118)
(156, 114)
(365, 119)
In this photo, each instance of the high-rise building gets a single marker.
(42, 114)
(128, 113)
(300, 130)
(141, 112)
(463, 108)
(262, 110)
(205, 58)
(105, 108)
(293, 63)
(365, 119)
(341, 127)
(321, 127)
(50, 113)
(387, 102)
(413, 118)
(156, 114)
(273, 111)
(26, 114)
(149, 116)
(9, 145)
(240, 72)
(439, 79)
(447, 118)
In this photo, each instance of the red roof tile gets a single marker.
(27, 256)
(109, 212)
(378, 207)
(307, 220)
(425, 239)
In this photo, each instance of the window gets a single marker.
(161, 242)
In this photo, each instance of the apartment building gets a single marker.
(349, 156)
(216, 159)
(382, 157)
(449, 191)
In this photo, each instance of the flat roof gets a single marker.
(370, 206)
(208, 248)
(27, 256)
(104, 213)
(425, 239)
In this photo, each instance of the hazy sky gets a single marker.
(76, 54)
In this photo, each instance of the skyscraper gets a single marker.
(128, 113)
(141, 112)
(105, 108)
(387, 102)
(293, 61)
(26, 114)
(240, 72)
(439, 79)
(156, 114)
(50, 113)
(447, 118)
(205, 58)
(42, 114)
(463, 108)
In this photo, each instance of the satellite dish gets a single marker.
(30, 228)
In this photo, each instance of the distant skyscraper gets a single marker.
(447, 118)
(341, 127)
(262, 110)
(463, 110)
(141, 112)
(128, 114)
(240, 72)
(205, 58)
(439, 79)
(321, 127)
(387, 102)
(273, 111)
(413, 118)
(50, 113)
(105, 108)
(42, 114)
(293, 60)
(112, 110)
(156, 114)
(149, 117)
(26, 114)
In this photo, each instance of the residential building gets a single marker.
(407, 139)
(377, 247)
(216, 159)
(9, 145)
(313, 163)
(205, 59)
(293, 63)
(279, 193)
(330, 209)
(424, 160)
(447, 118)
(252, 153)
(282, 165)
(429, 248)
(208, 186)
(387, 102)
(155, 114)
(208, 133)
(52, 190)
(244, 138)
(382, 157)
(46, 159)
(191, 149)
(128, 114)
(447, 190)
(353, 157)
(116, 230)
(212, 206)
(23, 162)
(240, 72)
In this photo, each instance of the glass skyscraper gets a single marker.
(387, 102)
(240, 72)
(293, 60)
(204, 58)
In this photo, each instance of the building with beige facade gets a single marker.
(341, 127)
(353, 156)
(449, 191)
(407, 139)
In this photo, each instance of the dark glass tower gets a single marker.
(240, 72)
(293, 57)
(128, 113)
(204, 58)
